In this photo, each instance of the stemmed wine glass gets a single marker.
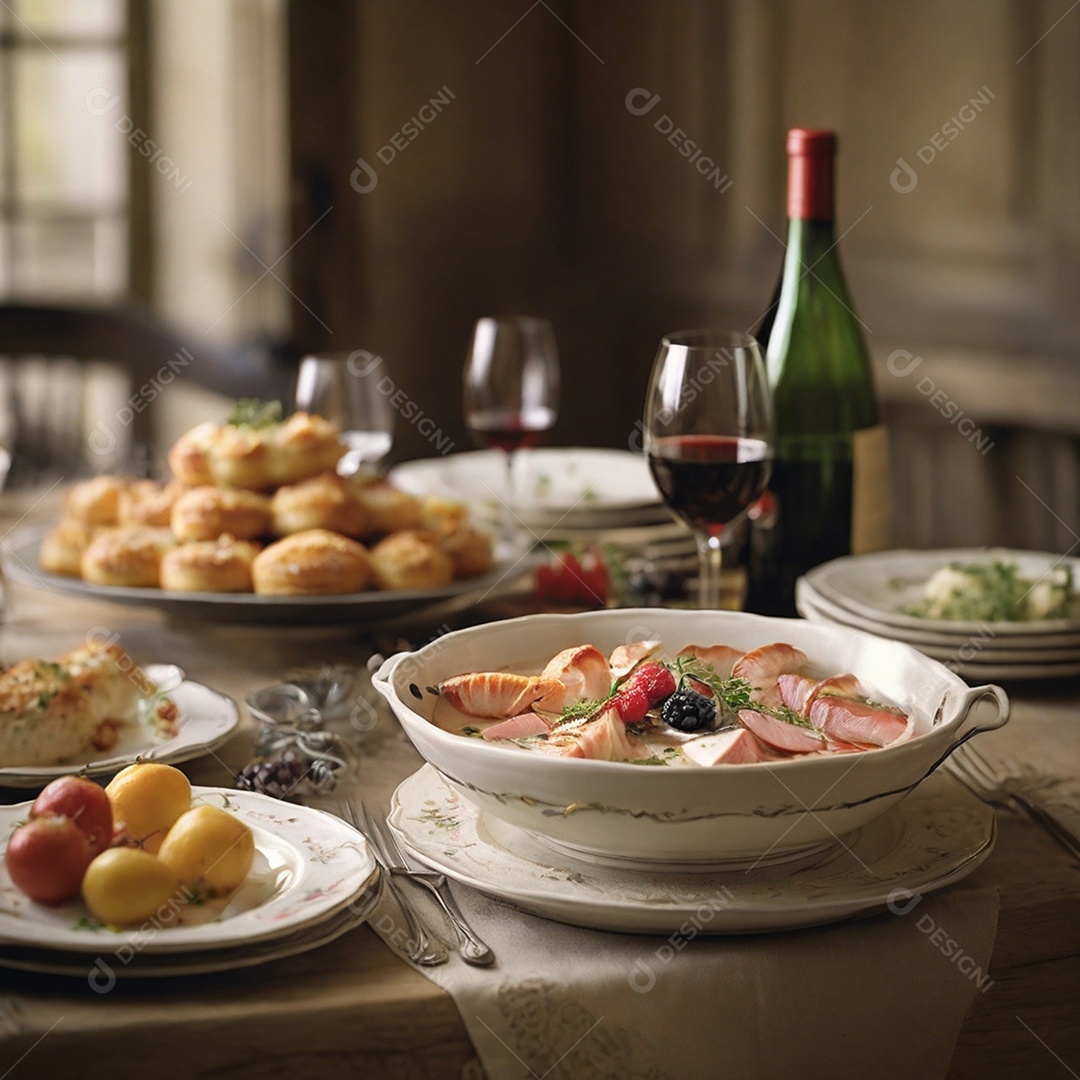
(708, 424)
(511, 389)
(344, 387)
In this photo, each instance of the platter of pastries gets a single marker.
(255, 525)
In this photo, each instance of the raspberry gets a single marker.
(632, 703)
(657, 682)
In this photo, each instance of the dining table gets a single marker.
(356, 1007)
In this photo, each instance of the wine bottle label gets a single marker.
(871, 509)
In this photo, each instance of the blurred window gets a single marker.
(64, 125)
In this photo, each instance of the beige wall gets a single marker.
(537, 190)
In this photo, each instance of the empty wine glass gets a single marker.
(344, 387)
(511, 389)
(708, 423)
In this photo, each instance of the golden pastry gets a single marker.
(63, 546)
(326, 501)
(442, 516)
(411, 559)
(469, 549)
(389, 508)
(205, 513)
(256, 457)
(126, 555)
(148, 502)
(222, 565)
(96, 501)
(312, 563)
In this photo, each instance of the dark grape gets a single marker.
(277, 778)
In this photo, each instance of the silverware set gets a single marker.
(998, 787)
(423, 946)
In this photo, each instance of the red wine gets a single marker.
(708, 480)
(511, 429)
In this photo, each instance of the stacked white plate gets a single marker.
(877, 592)
(562, 495)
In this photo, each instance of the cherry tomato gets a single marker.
(47, 858)
(568, 579)
(84, 802)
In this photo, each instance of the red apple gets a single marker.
(47, 858)
(84, 802)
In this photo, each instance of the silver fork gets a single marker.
(473, 949)
(976, 773)
(419, 948)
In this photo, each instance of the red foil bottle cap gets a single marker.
(810, 174)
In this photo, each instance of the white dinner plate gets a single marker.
(964, 656)
(881, 586)
(937, 835)
(571, 486)
(21, 551)
(985, 646)
(207, 718)
(308, 865)
(100, 970)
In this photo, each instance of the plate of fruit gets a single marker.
(152, 863)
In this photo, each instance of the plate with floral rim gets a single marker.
(308, 866)
(937, 835)
(207, 718)
(116, 962)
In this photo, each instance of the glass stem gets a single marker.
(709, 571)
(507, 517)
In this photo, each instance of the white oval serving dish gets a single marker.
(662, 818)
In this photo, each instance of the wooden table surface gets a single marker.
(354, 1008)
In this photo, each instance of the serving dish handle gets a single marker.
(970, 698)
(380, 679)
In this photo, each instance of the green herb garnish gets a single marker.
(256, 413)
(582, 710)
(733, 694)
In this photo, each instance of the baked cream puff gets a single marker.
(313, 563)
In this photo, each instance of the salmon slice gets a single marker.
(733, 746)
(496, 695)
(624, 658)
(518, 727)
(796, 691)
(719, 657)
(763, 667)
(781, 735)
(584, 673)
(604, 738)
(845, 686)
(858, 722)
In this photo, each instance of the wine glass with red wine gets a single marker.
(511, 390)
(708, 424)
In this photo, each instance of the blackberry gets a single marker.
(687, 710)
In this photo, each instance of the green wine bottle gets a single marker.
(830, 468)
